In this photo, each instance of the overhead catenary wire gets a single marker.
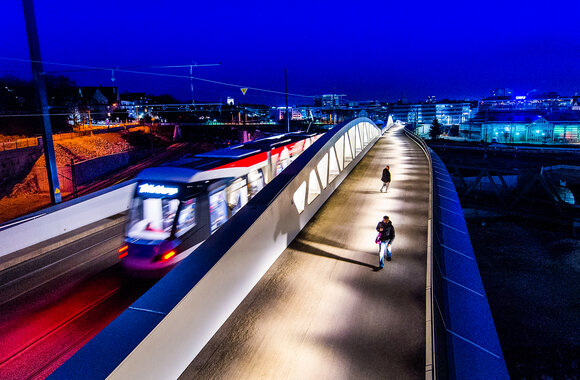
(82, 113)
(171, 109)
(158, 74)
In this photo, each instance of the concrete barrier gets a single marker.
(54, 221)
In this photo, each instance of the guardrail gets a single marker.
(461, 335)
(161, 333)
(430, 362)
(19, 143)
(466, 342)
(56, 220)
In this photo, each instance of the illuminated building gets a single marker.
(279, 113)
(448, 113)
(524, 127)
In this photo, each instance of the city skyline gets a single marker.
(375, 51)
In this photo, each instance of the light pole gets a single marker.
(286, 87)
(40, 86)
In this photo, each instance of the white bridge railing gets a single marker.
(60, 219)
(159, 335)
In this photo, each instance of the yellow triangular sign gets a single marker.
(244, 89)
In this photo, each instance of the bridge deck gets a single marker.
(323, 310)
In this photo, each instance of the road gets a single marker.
(324, 310)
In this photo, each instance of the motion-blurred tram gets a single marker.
(178, 205)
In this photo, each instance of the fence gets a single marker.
(19, 143)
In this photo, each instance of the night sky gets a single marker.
(366, 50)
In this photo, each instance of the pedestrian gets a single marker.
(386, 178)
(385, 239)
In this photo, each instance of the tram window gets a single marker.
(152, 218)
(280, 161)
(284, 161)
(279, 167)
(255, 182)
(217, 209)
(237, 195)
(186, 218)
(276, 164)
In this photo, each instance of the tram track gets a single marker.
(37, 341)
(97, 251)
(47, 334)
(52, 303)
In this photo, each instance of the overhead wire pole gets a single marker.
(191, 84)
(40, 86)
(286, 91)
(191, 75)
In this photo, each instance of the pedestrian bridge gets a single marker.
(289, 287)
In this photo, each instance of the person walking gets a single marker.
(386, 178)
(385, 239)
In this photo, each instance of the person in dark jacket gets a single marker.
(386, 236)
(386, 178)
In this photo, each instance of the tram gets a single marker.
(178, 205)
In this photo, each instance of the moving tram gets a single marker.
(178, 205)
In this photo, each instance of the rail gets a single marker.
(465, 342)
(430, 362)
(461, 335)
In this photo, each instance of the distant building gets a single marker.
(135, 103)
(448, 113)
(99, 95)
(531, 118)
(524, 126)
(502, 92)
(130, 107)
(576, 103)
(279, 113)
(101, 100)
(549, 101)
(329, 101)
(139, 98)
(307, 112)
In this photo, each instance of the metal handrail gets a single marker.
(430, 362)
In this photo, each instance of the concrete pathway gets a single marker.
(324, 311)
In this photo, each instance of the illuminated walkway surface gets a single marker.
(323, 311)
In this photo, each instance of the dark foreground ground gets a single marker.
(531, 274)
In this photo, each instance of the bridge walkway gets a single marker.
(323, 310)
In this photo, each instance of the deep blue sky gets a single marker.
(365, 49)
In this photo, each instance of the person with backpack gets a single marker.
(385, 239)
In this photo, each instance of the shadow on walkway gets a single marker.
(302, 246)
